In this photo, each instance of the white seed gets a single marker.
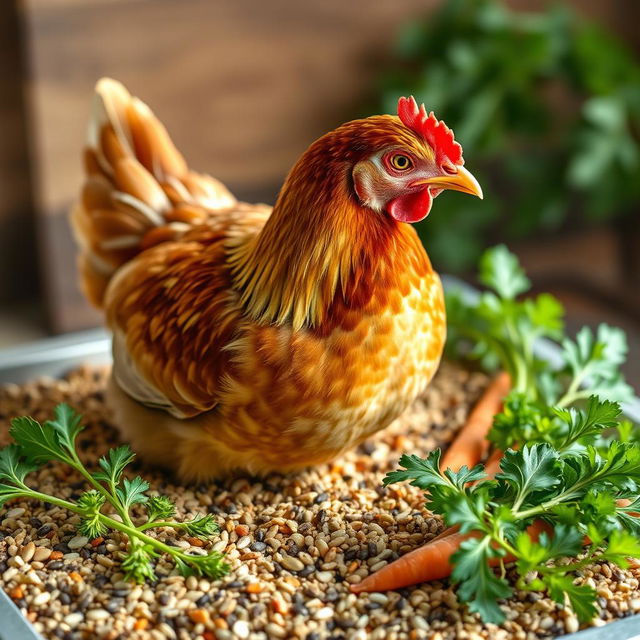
(245, 541)
(323, 614)
(27, 552)
(571, 624)
(41, 598)
(73, 619)
(97, 614)
(9, 574)
(241, 629)
(14, 513)
(324, 576)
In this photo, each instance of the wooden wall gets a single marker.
(243, 86)
(18, 256)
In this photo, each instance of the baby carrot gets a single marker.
(429, 562)
(471, 444)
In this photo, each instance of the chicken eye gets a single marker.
(400, 162)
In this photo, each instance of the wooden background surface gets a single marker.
(243, 86)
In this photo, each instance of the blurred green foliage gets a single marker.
(546, 107)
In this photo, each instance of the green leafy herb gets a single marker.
(36, 444)
(568, 460)
(501, 331)
(575, 491)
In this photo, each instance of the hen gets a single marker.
(246, 337)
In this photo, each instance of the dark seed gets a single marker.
(200, 602)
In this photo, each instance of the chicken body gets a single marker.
(246, 338)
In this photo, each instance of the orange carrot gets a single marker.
(471, 444)
(430, 562)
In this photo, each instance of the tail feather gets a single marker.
(138, 188)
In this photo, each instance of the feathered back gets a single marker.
(138, 189)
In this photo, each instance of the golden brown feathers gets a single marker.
(245, 338)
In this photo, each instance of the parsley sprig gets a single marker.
(570, 463)
(501, 331)
(575, 490)
(36, 444)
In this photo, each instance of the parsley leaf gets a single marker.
(478, 585)
(531, 470)
(37, 444)
(113, 464)
(67, 425)
(501, 271)
(581, 597)
(133, 491)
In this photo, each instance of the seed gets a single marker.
(17, 593)
(98, 614)
(275, 631)
(255, 587)
(191, 583)
(324, 576)
(241, 629)
(105, 561)
(380, 598)
(291, 563)
(77, 542)
(41, 554)
(243, 542)
(12, 514)
(571, 624)
(195, 542)
(279, 605)
(73, 619)
(323, 614)
(27, 552)
(42, 598)
(9, 574)
(199, 616)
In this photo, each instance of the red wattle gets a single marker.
(411, 207)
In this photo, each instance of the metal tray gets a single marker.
(55, 356)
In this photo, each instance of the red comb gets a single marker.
(434, 131)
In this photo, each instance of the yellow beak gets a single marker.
(463, 181)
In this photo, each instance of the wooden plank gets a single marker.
(18, 263)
